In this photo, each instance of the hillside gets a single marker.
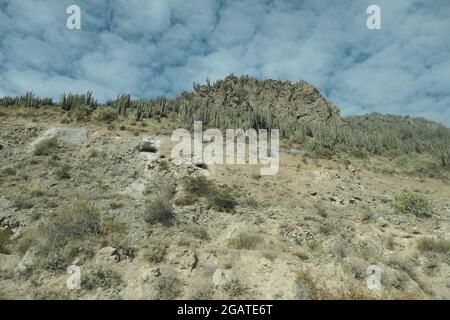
(78, 189)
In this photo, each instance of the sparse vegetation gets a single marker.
(46, 147)
(159, 210)
(234, 288)
(63, 172)
(100, 277)
(65, 235)
(22, 202)
(106, 115)
(155, 252)
(8, 171)
(413, 203)
(219, 197)
(5, 234)
(306, 286)
(167, 287)
(116, 204)
(244, 240)
(198, 231)
(327, 210)
(320, 210)
(433, 245)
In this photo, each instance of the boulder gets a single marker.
(68, 135)
(146, 146)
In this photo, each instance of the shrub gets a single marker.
(167, 288)
(223, 199)
(244, 240)
(163, 165)
(219, 197)
(116, 204)
(81, 222)
(434, 245)
(234, 287)
(46, 147)
(203, 290)
(107, 115)
(159, 210)
(64, 236)
(63, 172)
(320, 210)
(412, 203)
(198, 231)
(306, 286)
(22, 203)
(81, 114)
(5, 234)
(199, 186)
(163, 185)
(156, 252)
(100, 277)
(8, 171)
(36, 191)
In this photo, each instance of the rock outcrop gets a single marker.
(300, 101)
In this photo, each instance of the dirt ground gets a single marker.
(309, 232)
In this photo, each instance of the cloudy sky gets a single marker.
(159, 47)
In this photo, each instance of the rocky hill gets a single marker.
(289, 101)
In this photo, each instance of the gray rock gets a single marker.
(68, 135)
(146, 146)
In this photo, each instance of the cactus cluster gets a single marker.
(78, 101)
(28, 100)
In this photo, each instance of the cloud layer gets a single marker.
(159, 47)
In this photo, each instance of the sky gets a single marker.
(150, 48)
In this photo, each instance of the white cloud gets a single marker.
(150, 48)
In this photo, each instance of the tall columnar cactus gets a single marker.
(140, 111)
(123, 103)
(78, 101)
(441, 151)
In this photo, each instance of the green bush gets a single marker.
(8, 171)
(222, 199)
(64, 236)
(155, 252)
(200, 186)
(100, 277)
(63, 172)
(167, 287)
(219, 197)
(5, 235)
(413, 203)
(22, 202)
(107, 115)
(434, 245)
(46, 147)
(159, 210)
(244, 240)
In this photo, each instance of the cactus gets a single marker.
(78, 101)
